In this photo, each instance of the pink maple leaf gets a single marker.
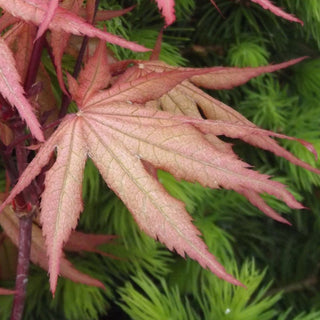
(132, 124)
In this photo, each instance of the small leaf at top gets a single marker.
(167, 9)
(59, 41)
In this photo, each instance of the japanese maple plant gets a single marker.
(133, 117)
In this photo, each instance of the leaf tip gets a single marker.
(309, 146)
(234, 281)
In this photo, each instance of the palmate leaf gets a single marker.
(115, 139)
(124, 173)
(127, 140)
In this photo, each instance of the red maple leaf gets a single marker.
(131, 129)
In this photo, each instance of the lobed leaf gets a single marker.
(128, 142)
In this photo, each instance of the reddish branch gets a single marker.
(25, 228)
(25, 200)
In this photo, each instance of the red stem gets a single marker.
(23, 201)
(25, 229)
(34, 63)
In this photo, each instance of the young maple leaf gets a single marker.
(75, 139)
(59, 39)
(127, 142)
(11, 89)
